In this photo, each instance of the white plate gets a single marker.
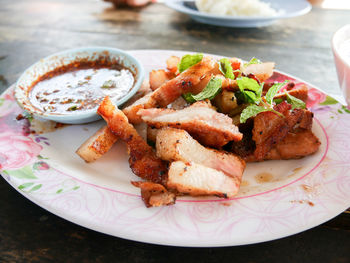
(277, 198)
(287, 9)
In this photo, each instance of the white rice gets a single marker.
(236, 7)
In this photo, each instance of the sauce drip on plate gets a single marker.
(78, 89)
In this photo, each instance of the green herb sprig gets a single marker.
(266, 103)
(209, 92)
(188, 61)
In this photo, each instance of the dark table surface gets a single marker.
(30, 30)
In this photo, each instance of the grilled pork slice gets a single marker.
(196, 179)
(142, 103)
(177, 145)
(97, 145)
(300, 92)
(295, 145)
(155, 194)
(270, 128)
(191, 80)
(100, 143)
(203, 123)
(143, 161)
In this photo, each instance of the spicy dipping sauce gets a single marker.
(80, 86)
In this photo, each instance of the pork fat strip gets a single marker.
(209, 127)
(177, 145)
(262, 71)
(158, 77)
(196, 179)
(143, 160)
(155, 194)
(97, 145)
(295, 145)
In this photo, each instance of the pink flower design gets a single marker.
(315, 97)
(17, 150)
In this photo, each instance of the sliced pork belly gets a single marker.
(155, 194)
(300, 92)
(203, 123)
(196, 179)
(143, 160)
(270, 128)
(177, 145)
(295, 145)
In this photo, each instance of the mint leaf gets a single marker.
(250, 89)
(188, 61)
(226, 68)
(209, 92)
(251, 111)
(296, 103)
(252, 61)
(271, 93)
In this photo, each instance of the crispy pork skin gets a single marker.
(177, 145)
(196, 179)
(203, 123)
(143, 160)
(155, 194)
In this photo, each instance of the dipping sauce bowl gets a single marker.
(68, 86)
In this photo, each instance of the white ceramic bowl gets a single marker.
(341, 52)
(66, 57)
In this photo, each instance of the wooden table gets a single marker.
(30, 30)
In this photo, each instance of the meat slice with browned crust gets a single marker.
(155, 194)
(143, 160)
(206, 125)
(188, 81)
(97, 145)
(191, 80)
(177, 145)
(270, 128)
(196, 179)
(295, 145)
(300, 92)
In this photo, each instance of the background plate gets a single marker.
(287, 9)
(277, 198)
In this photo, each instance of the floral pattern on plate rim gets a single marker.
(259, 218)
